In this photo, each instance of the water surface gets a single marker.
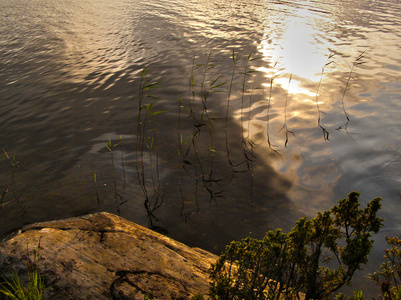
(324, 91)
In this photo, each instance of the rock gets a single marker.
(103, 256)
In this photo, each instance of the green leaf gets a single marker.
(157, 112)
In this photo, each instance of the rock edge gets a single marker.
(103, 256)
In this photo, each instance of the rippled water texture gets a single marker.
(316, 116)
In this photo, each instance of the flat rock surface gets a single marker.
(103, 256)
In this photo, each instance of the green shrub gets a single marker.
(283, 265)
(388, 276)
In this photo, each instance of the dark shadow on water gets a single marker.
(209, 198)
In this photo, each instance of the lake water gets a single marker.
(316, 116)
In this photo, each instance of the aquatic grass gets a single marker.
(211, 181)
(10, 187)
(275, 74)
(145, 84)
(201, 175)
(202, 123)
(246, 74)
(14, 166)
(199, 96)
(110, 146)
(235, 58)
(184, 146)
(247, 144)
(285, 127)
(319, 112)
(198, 124)
(122, 162)
(182, 156)
(204, 91)
(158, 194)
(206, 116)
(145, 142)
(191, 90)
(197, 143)
(96, 190)
(358, 61)
(117, 196)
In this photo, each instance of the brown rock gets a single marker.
(103, 256)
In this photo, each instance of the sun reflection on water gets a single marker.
(295, 57)
(299, 48)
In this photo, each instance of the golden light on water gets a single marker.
(294, 54)
(294, 87)
(297, 50)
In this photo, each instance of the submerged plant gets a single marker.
(117, 196)
(235, 59)
(97, 193)
(358, 61)
(191, 148)
(145, 143)
(247, 143)
(319, 112)
(10, 187)
(275, 73)
(285, 127)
